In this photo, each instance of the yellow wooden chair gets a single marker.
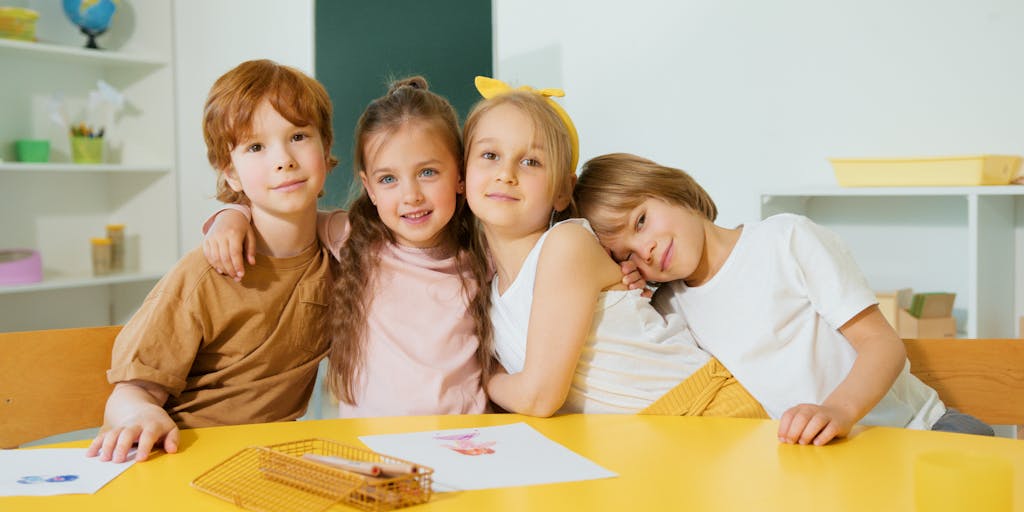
(53, 381)
(980, 377)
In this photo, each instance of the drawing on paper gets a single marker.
(465, 444)
(35, 479)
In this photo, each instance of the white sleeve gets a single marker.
(834, 283)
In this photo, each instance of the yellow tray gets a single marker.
(950, 171)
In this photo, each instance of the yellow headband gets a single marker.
(491, 87)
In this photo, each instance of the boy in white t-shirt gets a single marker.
(781, 303)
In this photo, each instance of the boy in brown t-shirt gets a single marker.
(206, 350)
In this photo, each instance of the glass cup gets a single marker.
(952, 480)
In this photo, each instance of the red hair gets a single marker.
(227, 116)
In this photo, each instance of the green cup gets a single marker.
(87, 150)
(32, 150)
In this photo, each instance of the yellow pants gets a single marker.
(710, 391)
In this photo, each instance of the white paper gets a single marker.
(488, 457)
(52, 471)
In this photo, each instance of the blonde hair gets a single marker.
(227, 115)
(610, 186)
(548, 128)
(407, 100)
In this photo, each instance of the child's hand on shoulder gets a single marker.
(150, 427)
(814, 424)
(230, 237)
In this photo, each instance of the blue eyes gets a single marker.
(424, 173)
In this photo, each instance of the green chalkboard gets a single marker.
(362, 45)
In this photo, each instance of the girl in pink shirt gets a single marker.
(409, 333)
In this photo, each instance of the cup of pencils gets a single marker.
(86, 144)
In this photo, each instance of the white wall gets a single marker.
(211, 37)
(749, 95)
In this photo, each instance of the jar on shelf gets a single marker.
(101, 256)
(115, 232)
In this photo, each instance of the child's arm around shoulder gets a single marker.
(881, 357)
(572, 272)
(134, 414)
(229, 237)
(333, 228)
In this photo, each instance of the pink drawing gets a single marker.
(465, 445)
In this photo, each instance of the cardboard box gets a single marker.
(932, 305)
(890, 303)
(936, 327)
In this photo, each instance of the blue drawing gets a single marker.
(34, 479)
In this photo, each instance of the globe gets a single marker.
(91, 16)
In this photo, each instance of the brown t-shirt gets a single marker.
(229, 352)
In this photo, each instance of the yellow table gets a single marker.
(664, 463)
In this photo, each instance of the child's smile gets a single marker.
(282, 166)
(413, 179)
(417, 217)
(507, 182)
(290, 185)
(651, 239)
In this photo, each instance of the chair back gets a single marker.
(980, 377)
(53, 381)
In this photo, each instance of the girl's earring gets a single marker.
(551, 221)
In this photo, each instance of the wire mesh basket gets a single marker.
(277, 478)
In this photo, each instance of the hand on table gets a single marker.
(811, 423)
(150, 428)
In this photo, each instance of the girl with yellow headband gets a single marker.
(568, 333)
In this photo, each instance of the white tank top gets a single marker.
(632, 357)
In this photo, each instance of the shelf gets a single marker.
(826, 191)
(54, 207)
(927, 235)
(65, 282)
(62, 53)
(77, 168)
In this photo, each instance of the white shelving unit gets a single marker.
(82, 168)
(66, 283)
(75, 55)
(960, 239)
(56, 207)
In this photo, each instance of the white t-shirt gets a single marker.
(772, 315)
(632, 357)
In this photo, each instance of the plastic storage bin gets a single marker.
(87, 150)
(950, 171)
(18, 23)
